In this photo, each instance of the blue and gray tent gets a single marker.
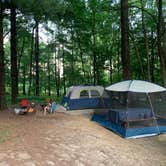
(138, 109)
(85, 97)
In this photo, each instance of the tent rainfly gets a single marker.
(85, 97)
(138, 109)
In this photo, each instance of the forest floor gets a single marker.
(66, 140)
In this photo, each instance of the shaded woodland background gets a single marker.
(49, 45)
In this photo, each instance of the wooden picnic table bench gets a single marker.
(126, 123)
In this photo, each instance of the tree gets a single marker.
(13, 43)
(161, 34)
(37, 57)
(85, 36)
(125, 40)
(146, 41)
(2, 69)
(30, 61)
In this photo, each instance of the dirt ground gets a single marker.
(67, 140)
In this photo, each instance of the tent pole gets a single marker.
(153, 111)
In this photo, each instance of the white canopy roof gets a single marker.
(135, 86)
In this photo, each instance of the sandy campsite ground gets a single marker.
(66, 140)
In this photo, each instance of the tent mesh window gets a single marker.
(94, 94)
(84, 94)
(118, 99)
(131, 110)
(140, 110)
(158, 100)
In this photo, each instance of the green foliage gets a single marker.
(75, 30)
(37, 99)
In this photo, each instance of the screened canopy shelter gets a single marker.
(138, 109)
(85, 97)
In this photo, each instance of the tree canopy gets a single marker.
(49, 45)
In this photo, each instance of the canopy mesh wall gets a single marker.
(132, 110)
(135, 113)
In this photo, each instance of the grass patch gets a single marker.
(4, 134)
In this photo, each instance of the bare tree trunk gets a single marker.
(37, 59)
(91, 80)
(152, 58)
(138, 57)
(125, 40)
(64, 76)
(58, 89)
(72, 59)
(82, 60)
(118, 58)
(110, 70)
(2, 67)
(56, 81)
(146, 42)
(118, 65)
(94, 45)
(20, 55)
(13, 43)
(57, 76)
(24, 80)
(49, 76)
(31, 61)
(98, 68)
(161, 34)
(163, 58)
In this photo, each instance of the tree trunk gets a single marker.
(58, 89)
(99, 67)
(57, 72)
(72, 59)
(161, 35)
(82, 60)
(110, 68)
(143, 75)
(118, 65)
(37, 59)
(94, 45)
(2, 67)
(146, 42)
(163, 58)
(90, 79)
(125, 40)
(64, 76)
(31, 61)
(49, 76)
(20, 55)
(13, 46)
(24, 80)
(152, 58)
(118, 58)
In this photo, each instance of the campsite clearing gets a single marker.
(62, 139)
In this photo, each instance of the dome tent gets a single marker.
(138, 109)
(85, 97)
